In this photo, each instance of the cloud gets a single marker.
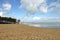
(36, 18)
(33, 19)
(54, 7)
(44, 9)
(41, 19)
(7, 6)
(33, 6)
(1, 13)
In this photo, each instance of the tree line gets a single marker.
(8, 20)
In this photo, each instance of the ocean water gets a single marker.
(44, 25)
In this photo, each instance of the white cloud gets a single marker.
(33, 6)
(40, 19)
(27, 19)
(36, 18)
(7, 6)
(44, 9)
(1, 13)
(54, 7)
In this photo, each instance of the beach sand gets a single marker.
(24, 32)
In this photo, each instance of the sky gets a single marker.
(31, 10)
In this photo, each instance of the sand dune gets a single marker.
(23, 32)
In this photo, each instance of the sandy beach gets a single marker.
(24, 32)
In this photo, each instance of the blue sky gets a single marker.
(31, 10)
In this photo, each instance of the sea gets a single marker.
(44, 25)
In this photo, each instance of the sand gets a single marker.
(23, 32)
